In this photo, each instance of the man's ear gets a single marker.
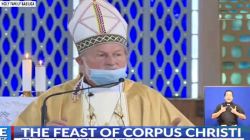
(79, 60)
(82, 65)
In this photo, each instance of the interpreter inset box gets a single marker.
(216, 100)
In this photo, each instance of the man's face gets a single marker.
(228, 96)
(108, 56)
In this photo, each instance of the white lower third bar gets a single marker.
(17, 3)
(128, 138)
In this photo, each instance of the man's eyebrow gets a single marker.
(118, 50)
(100, 51)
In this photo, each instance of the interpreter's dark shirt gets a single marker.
(227, 117)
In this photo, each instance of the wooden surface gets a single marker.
(192, 109)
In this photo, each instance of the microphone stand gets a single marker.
(44, 116)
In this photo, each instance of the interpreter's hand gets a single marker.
(233, 110)
(223, 109)
(57, 123)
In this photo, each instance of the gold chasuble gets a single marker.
(145, 107)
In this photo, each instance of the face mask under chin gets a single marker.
(100, 76)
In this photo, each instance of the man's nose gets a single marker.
(110, 60)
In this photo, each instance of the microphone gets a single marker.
(44, 106)
(121, 80)
(90, 94)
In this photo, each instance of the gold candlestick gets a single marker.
(27, 94)
(38, 93)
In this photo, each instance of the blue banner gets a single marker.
(5, 133)
(131, 132)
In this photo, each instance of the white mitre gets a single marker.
(95, 22)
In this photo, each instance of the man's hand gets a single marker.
(217, 114)
(234, 111)
(57, 123)
(176, 122)
(223, 109)
(240, 115)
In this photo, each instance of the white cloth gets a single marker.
(11, 107)
(105, 101)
